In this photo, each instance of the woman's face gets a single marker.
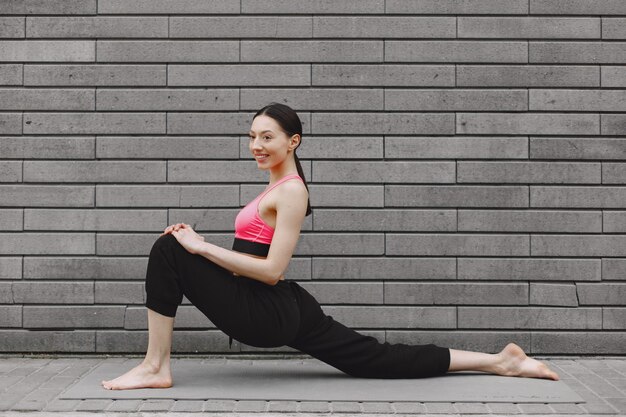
(268, 143)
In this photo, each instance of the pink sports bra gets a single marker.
(249, 225)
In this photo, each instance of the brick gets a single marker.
(382, 123)
(46, 195)
(11, 171)
(613, 269)
(528, 76)
(11, 27)
(613, 173)
(456, 245)
(119, 292)
(156, 405)
(527, 123)
(396, 317)
(10, 267)
(385, 220)
(239, 75)
(563, 295)
(529, 318)
(528, 27)
(332, 147)
(11, 123)
(94, 171)
(383, 268)
(612, 124)
(167, 6)
(107, 220)
(11, 74)
(529, 269)
(384, 27)
(577, 52)
(529, 221)
(577, 197)
(613, 318)
(451, 100)
(312, 51)
(613, 28)
(49, 7)
(10, 315)
(95, 75)
(47, 341)
(613, 76)
(601, 293)
(133, 147)
(455, 196)
(577, 148)
(73, 316)
(312, 7)
(579, 342)
(341, 244)
(33, 51)
(578, 100)
(614, 222)
(25, 147)
(345, 293)
(94, 123)
(455, 51)
(571, 245)
(140, 244)
(46, 99)
(166, 195)
(385, 172)
(11, 219)
(528, 172)
(457, 7)
(216, 171)
(345, 99)
(383, 75)
(167, 99)
(53, 292)
(96, 27)
(456, 147)
(209, 123)
(454, 293)
(577, 7)
(241, 27)
(168, 51)
(46, 243)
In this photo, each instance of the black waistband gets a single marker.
(253, 248)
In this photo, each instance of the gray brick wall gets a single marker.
(465, 161)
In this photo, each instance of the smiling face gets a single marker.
(269, 144)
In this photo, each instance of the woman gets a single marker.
(244, 293)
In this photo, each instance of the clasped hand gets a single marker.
(186, 236)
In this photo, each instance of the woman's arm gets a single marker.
(291, 204)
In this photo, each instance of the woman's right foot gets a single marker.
(142, 376)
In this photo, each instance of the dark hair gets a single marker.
(290, 123)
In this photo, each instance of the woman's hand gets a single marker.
(186, 236)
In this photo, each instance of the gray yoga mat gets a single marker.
(313, 380)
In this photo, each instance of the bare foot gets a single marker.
(516, 363)
(143, 375)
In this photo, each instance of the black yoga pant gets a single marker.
(264, 315)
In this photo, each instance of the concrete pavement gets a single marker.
(31, 385)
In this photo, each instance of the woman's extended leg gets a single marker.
(511, 361)
(154, 371)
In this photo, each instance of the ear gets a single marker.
(294, 142)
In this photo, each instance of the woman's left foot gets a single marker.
(516, 363)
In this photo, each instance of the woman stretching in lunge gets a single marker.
(244, 293)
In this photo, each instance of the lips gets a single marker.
(261, 157)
